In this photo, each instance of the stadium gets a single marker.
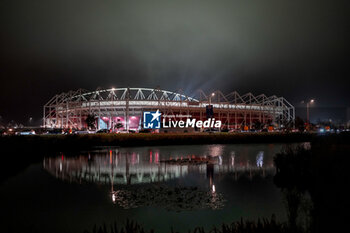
(122, 108)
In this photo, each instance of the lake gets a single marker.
(158, 187)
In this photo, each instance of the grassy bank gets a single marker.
(79, 142)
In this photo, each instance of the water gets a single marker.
(159, 187)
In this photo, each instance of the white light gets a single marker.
(213, 188)
(311, 101)
(212, 94)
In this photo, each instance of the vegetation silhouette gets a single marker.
(260, 226)
(320, 173)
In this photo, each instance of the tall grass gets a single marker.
(264, 225)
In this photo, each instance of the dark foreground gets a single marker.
(313, 181)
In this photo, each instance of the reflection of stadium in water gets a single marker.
(143, 177)
(115, 167)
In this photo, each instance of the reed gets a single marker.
(268, 225)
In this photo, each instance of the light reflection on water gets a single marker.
(153, 176)
(159, 187)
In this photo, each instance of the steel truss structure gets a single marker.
(70, 110)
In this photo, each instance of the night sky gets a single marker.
(296, 49)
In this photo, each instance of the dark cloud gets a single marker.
(295, 49)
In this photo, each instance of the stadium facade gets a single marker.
(123, 108)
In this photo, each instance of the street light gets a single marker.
(308, 109)
(211, 95)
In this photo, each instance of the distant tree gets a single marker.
(258, 125)
(90, 121)
(2, 124)
(299, 124)
(12, 124)
(287, 124)
(269, 122)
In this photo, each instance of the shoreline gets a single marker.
(88, 141)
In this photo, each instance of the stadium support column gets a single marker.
(127, 109)
(236, 117)
(44, 120)
(274, 116)
(67, 115)
(236, 113)
(201, 118)
(264, 112)
(99, 113)
(228, 119)
(250, 118)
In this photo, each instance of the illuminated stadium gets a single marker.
(122, 108)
